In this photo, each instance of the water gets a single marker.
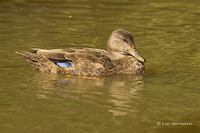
(166, 34)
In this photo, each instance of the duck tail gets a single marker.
(32, 56)
(39, 62)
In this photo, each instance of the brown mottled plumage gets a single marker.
(121, 57)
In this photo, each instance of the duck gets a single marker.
(121, 57)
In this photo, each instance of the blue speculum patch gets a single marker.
(66, 64)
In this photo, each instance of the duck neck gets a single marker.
(115, 55)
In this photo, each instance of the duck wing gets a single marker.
(73, 54)
(53, 54)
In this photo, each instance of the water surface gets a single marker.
(166, 33)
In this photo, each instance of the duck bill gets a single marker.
(135, 54)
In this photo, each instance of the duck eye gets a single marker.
(125, 40)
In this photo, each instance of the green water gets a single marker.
(167, 34)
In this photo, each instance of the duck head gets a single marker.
(120, 44)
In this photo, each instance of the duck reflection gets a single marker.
(115, 92)
(123, 89)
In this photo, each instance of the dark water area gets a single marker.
(166, 98)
